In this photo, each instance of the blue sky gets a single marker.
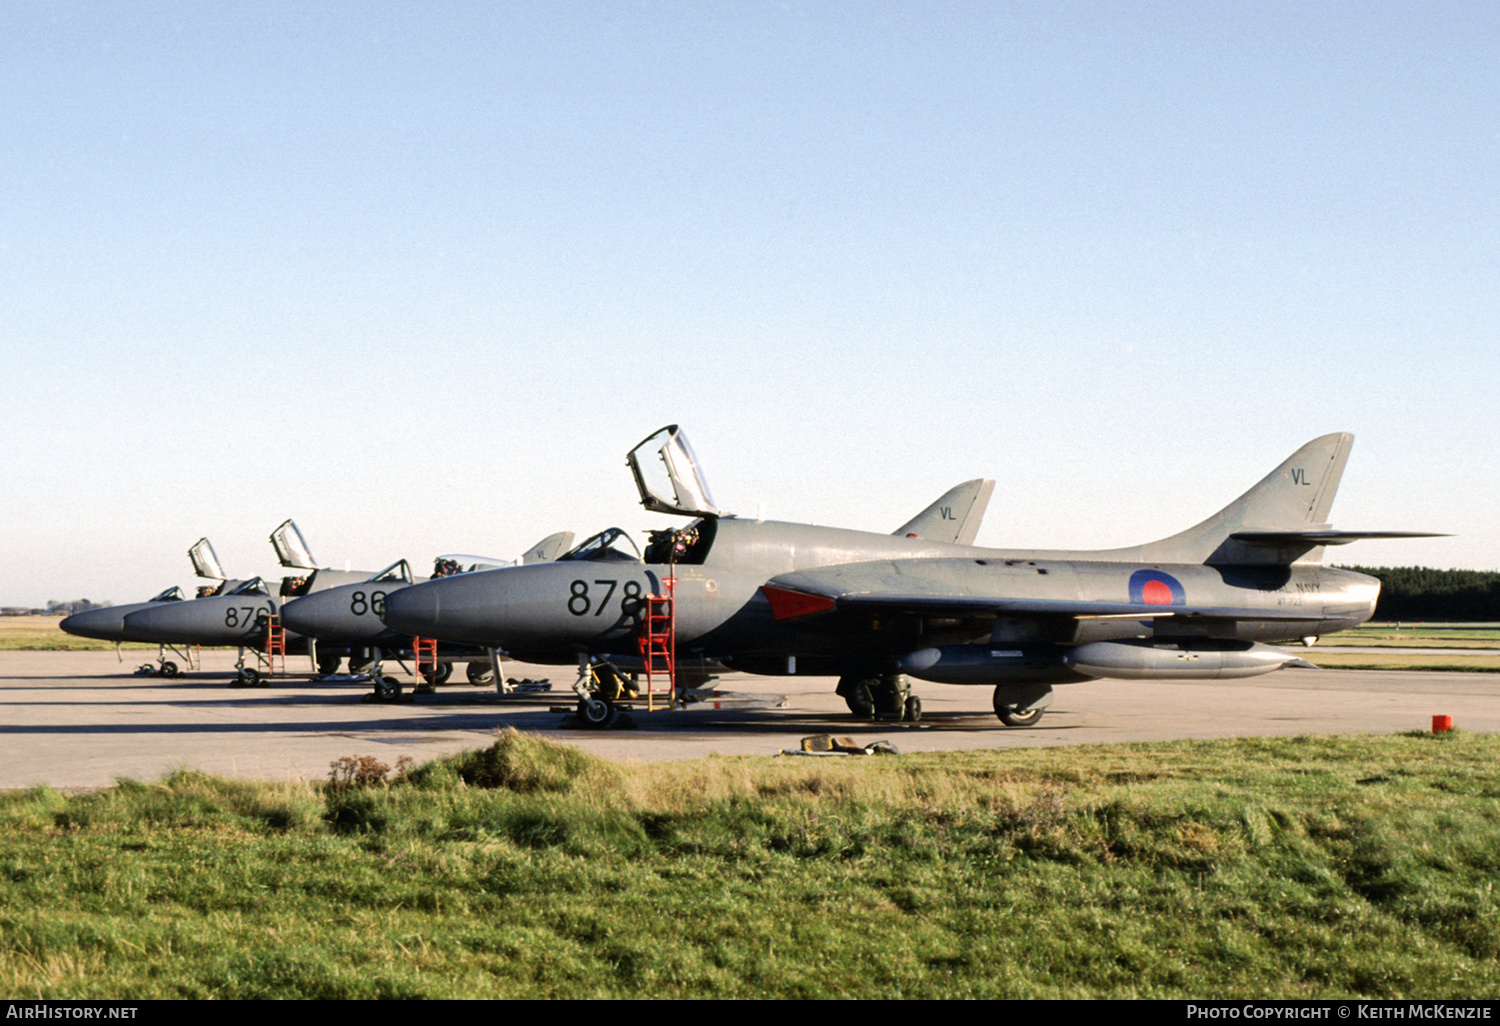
(418, 275)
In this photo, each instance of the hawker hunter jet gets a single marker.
(237, 616)
(875, 610)
(108, 623)
(346, 618)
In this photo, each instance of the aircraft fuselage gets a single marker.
(553, 612)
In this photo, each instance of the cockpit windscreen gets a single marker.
(611, 546)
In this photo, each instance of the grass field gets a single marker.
(41, 634)
(1288, 868)
(1419, 636)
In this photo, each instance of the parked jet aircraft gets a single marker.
(107, 624)
(237, 616)
(776, 598)
(347, 617)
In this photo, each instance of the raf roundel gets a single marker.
(1154, 588)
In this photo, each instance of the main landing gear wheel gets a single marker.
(1014, 718)
(328, 665)
(893, 698)
(884, 698)
(439, 674)
(859, 696)
(596, 713)
(1021, 705)
(480, 674)
(361, 661)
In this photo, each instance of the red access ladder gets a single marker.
(275, 645)
(424, 651)
(659, 645)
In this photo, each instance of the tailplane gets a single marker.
(955, 517)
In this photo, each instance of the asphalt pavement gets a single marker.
(83, 719)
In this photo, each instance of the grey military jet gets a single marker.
(609, 614)
(347, 617)
(237, 616)
(876, 610)
(108, 623)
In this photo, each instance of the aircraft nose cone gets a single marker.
(347, 615)
(103, 624)
(302, 615)
(415, 610)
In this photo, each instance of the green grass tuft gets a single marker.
(1265, 867)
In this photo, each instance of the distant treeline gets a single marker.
(1418, 593)
(56, 608)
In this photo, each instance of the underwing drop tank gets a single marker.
(1143, 659)
(1147, 660)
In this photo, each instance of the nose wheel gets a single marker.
(596, 713)
(598, 687)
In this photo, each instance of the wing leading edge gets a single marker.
(791, 604)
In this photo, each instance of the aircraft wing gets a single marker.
(790, 604)
(951, 589)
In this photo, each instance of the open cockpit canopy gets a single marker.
(206, 561)
(291, 548)
(667, 475)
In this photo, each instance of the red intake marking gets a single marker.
(789, 604)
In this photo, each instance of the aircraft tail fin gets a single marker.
(549, 548)
(1281, 520)
(954, 517)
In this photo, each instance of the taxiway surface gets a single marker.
(81, 719)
